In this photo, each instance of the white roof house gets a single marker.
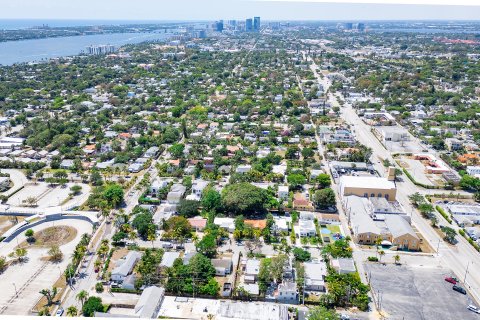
(315, 273)
(125, 266)
(157, 185)
(243, 168)
(252, 267)
(169, 258)
(225, 223)
(149, 303)
(306, 228)
(198, 186)
(343, 265)
(176, 193)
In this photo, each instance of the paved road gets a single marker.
(88, 277)
(457, 258)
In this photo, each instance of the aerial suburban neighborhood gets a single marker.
(245, 170)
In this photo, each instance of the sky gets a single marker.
(239, 9)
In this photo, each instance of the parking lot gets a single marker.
(35, 274)
(417, 292)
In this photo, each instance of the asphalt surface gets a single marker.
(417, 292)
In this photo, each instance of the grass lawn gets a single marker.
(333, 230)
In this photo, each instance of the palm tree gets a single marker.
(378, 242)
(72, 311)
(381, 254)
(49, 294)
(82, 296)
(396, 258)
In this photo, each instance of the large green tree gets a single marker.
(244, 198)
(324, 198)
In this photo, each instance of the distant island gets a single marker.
(45, 31)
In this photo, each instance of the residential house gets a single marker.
(157, 185)
(198, 223)
(287, 292)
(169, 258)
(252, 268)
(343, 265)
(148, 306)
(222, 267)
(243, 169)
(283, 192)
(225, 223)
(453, 144)
(315, 273)
(176, 193)
(67, 164)
(125, 266)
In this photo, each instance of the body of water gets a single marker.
(43, 49)
(14, 24)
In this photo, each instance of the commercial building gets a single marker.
(219, 26)
(368, 187)
(376, 219)
(433, 165)
(393, 133)
(249, 25)
(256, 24)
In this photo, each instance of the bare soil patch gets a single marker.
(58, 235)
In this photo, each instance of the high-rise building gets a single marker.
(101, 49)
(249, 25)
(348, 26)
(256, 24)
(360, 27)
(219, 26)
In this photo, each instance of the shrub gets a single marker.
(99, 287)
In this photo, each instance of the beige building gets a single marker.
(368, 226)
(368, 187)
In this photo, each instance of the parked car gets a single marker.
(167, 245)
(451, 280)
(473, 308)
(59, 312)
(459, 289)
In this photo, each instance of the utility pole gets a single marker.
(303, 293)
(466, 272)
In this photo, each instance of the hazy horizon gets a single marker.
(208, 10)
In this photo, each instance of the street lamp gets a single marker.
(16, 292)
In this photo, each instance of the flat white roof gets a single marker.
(366, 182)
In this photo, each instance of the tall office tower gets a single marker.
(348, 26)
(249, 25)
(361, 27)
(256, 24)
(219, 26)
